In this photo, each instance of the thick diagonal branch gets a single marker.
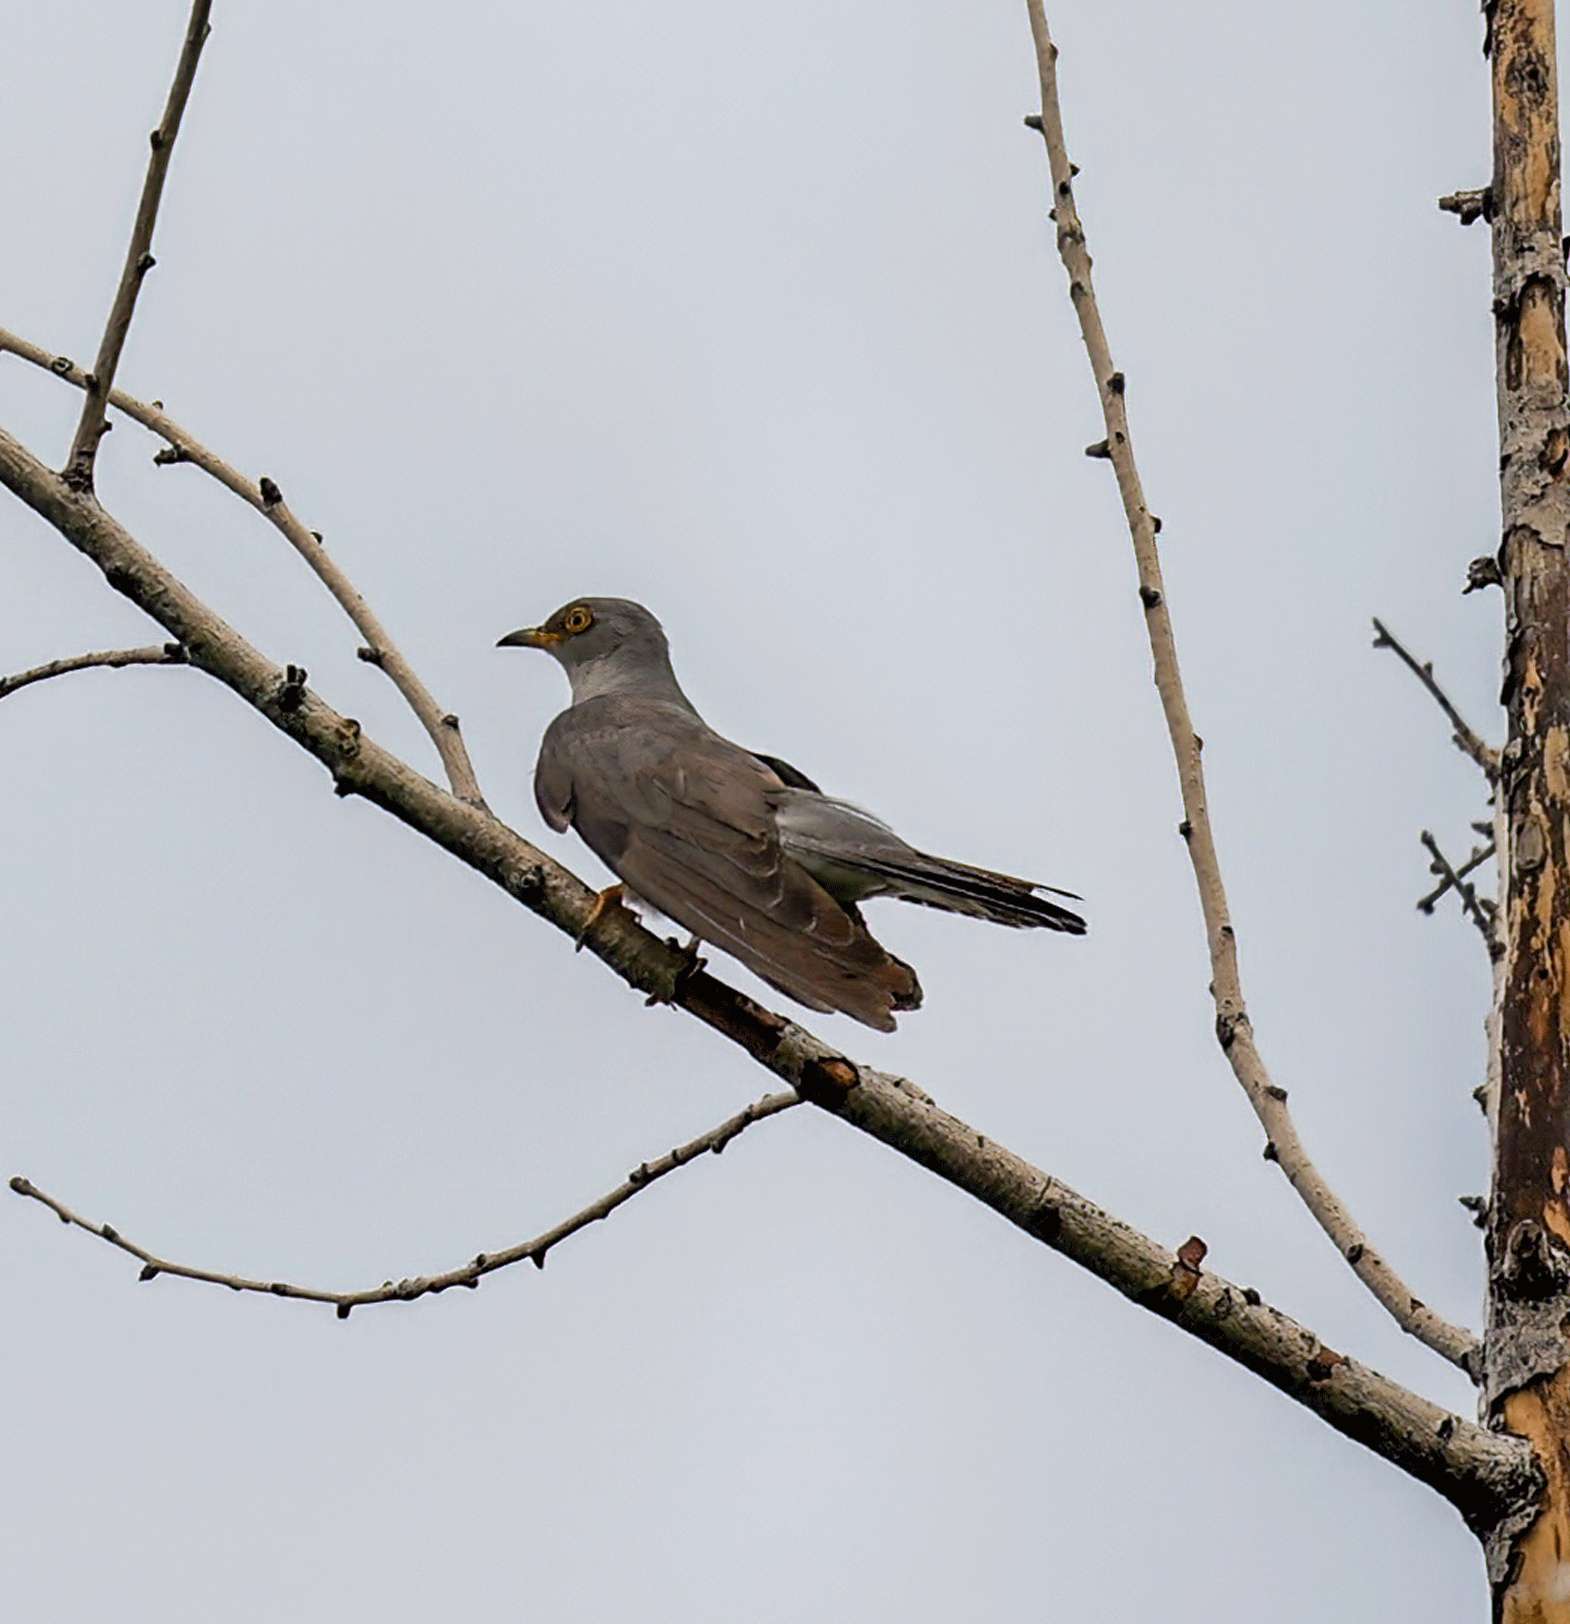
(1233, 1027)
(111, 659)
(1480, 1474)
(138, 256)
(1466, 739)
(467, 1274)
(440, 725)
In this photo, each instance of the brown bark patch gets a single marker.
(1538, 1591)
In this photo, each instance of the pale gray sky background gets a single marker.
(753, 315)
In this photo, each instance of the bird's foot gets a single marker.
(610, 897)
(693, 965)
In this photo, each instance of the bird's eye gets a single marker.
(577, 619)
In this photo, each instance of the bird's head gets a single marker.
(598, 635)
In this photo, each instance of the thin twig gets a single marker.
(1466, 739)
(468, 1274)
(139, 261)
(1454, 881)
(1233, 1027)
(263, 495)
(1480, 855)
(154, 654)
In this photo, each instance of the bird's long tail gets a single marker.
(938, 882)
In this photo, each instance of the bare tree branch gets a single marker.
(1469, 207)
(139, 261)
(1462, 1462)
(1465, 738)
(113, 659)
(1233, 1027)
(1453, 880)
(263, 495)
(1480, 855)
(469, 1274)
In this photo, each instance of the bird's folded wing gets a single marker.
(688, 821)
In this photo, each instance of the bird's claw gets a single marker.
(689, 951)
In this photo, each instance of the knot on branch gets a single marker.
(1185, 1269)
(1536, 1265)
(271, 495)
(528, 883)
(828, 1082)
(1469, 206)
(1529, 1313)
(1323, 1362)
(1046, 1222)
(1228, 1026)
(291, 691)
(1482, 572)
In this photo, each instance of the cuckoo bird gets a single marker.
(739, 848)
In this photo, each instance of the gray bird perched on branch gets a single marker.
(738, 847)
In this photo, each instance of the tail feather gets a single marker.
(938, 882)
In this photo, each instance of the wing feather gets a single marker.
(688, 821)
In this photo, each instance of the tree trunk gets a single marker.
(1527, 1388)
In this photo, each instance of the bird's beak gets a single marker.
(529, 637)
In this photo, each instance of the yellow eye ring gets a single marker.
(577, 619)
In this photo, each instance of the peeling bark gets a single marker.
(1527, 1374)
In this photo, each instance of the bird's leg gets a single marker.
(694, 964)
(610, 897)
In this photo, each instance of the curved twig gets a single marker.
(440, 725)
(1233, 1028)
(468, 1274)
(112, 659)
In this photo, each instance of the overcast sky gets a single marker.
(751, 314)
